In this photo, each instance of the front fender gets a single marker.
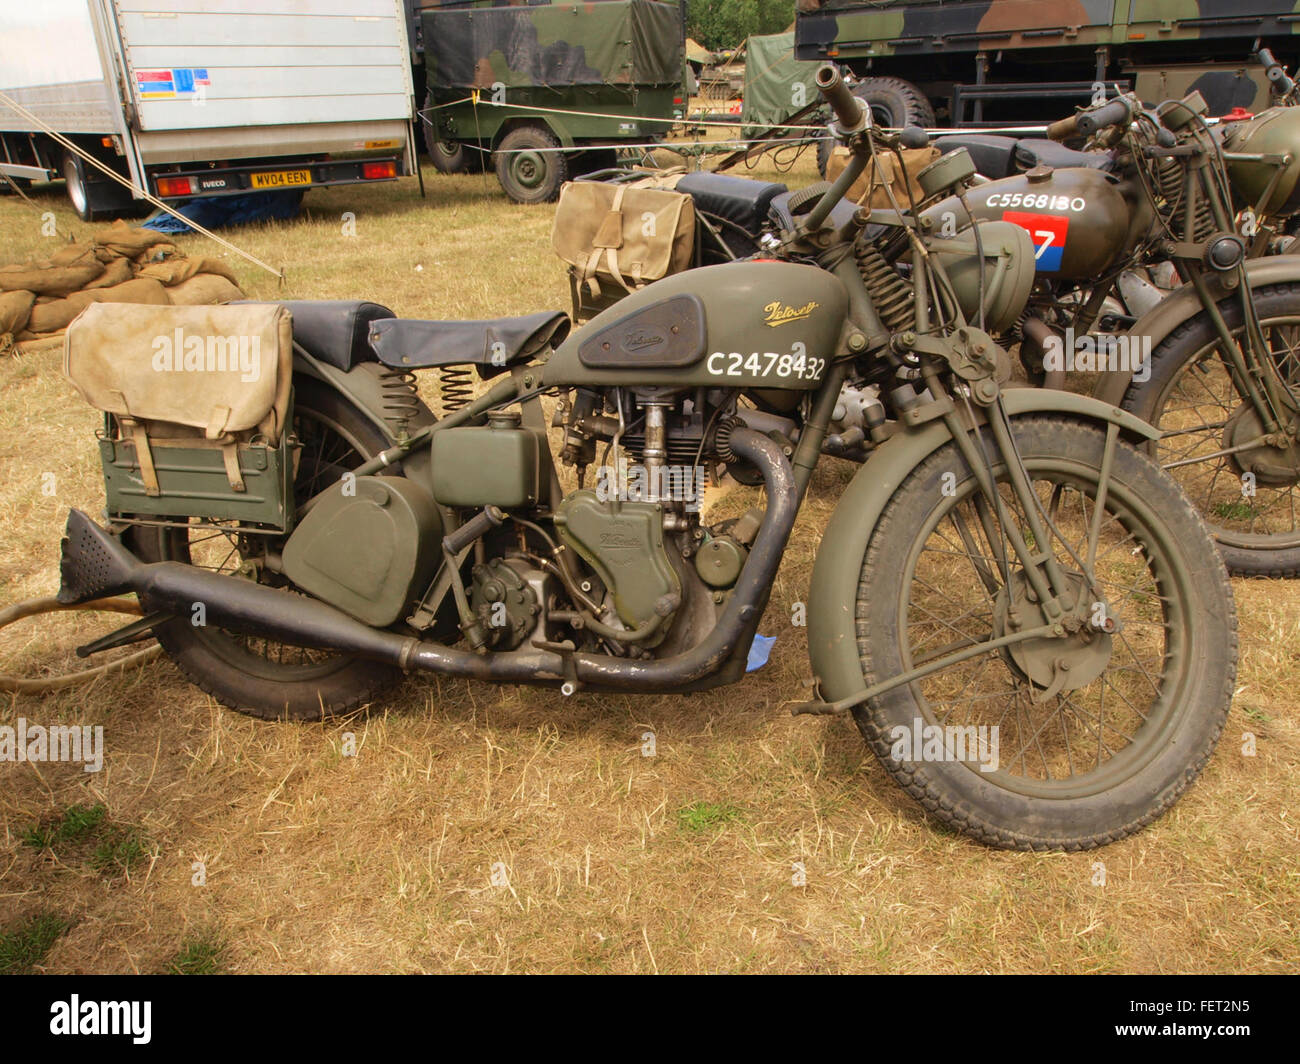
(832, 635)
(1182, 304)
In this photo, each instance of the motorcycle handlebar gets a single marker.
(1064, 129)
(1275, 72)
(850, 112)
(1111, 114)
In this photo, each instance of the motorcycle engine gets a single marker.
(624, 543)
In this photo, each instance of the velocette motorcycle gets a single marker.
(1212, 361)
(1025, 616)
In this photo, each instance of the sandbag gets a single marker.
(48, 317)
(15, 308)
(49, 280)
(226, 370)
(870, 188)
(623, 235)
(176, 271)
(124, 240)
(116, 271)
(204, 289)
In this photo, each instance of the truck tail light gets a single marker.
(175, 186)
(378, 171)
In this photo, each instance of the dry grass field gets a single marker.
(479, 829)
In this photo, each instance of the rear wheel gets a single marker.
(258, 676)
(1062, 742)
(529, 165)
(451, 156)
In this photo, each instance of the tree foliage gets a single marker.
(718, 24)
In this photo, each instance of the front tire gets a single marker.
(255, 676)
(1087, 765)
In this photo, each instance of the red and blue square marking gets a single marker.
(1048, 232)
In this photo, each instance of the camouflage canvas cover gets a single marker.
(615, 42)
(913, 27)
(776, 83)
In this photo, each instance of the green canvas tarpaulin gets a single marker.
(776, 83)
(618, 42)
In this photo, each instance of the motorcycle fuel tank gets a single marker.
(738, 325)
(1077, 219)
(1263, 163)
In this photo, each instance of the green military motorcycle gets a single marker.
(1026, 617)
(1210, 362)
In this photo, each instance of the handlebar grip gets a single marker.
(1064, 129)
(1111, 114)
(849, 110)
(1266, 57)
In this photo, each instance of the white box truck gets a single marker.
(194, 98)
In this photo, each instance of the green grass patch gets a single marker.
(24, 944)
(200, 954)
(74, 824)
(83, 832)
(121, 850)
(1234, 511)
(700, 816)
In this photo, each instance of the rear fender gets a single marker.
(832, 635)
(363, 389)
(1183, 304)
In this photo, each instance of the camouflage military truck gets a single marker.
(971, 62)
(550, 91)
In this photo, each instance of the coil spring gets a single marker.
(893, 297)
(399, 398)
(454, 388)
(1169, 183)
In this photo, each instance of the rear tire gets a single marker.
(239, 672)
(528, 166)
(451, 156)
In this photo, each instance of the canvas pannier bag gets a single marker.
(617, 238)
(199, 398)
(869, 189)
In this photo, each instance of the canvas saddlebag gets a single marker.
(883, 173)
(616, 238)
(199, 398)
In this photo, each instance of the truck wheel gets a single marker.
(451, 156)
(93, 200)
(527, 166)
(894, 104)
(74, 176)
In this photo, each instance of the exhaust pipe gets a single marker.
(95, 564)
(94, 561)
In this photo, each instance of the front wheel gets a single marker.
(1067, 742)
(1247, 493)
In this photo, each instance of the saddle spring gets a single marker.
(454, 388)
(399, 397)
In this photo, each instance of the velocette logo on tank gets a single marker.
(775, 314)
(1048, 232)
